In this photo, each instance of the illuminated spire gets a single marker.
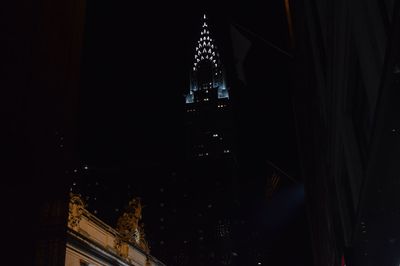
(206, 48)
(206, 55)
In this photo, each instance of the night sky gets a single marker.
(136, 62)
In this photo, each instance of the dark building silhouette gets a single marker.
(346, 102)
(208, 107)
(211, 165)
(40, 55)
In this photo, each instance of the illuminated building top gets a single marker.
(207, 71)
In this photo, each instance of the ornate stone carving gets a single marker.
(143, 244)
(76, 207)
(121, 247)
(129, 228)
(127, 224)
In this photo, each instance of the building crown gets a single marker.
(207, 70)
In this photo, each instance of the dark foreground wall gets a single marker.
(346, 104)
(40, 57)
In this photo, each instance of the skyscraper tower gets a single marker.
(208, 108)
(210, 148)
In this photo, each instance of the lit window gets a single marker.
(215, 135)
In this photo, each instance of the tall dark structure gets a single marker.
(209, 121)
(210, 150)
(346, 104)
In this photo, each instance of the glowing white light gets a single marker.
(209, 51)
(204, 16)
(208, 37)
(211, 58)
